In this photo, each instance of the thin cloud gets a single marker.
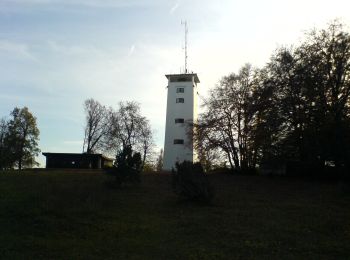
(131, 50)
(173, 9)
(87, 3)
(74, 49)
(18, 49)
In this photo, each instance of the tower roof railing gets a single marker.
(176, 77)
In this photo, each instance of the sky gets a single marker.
(54, 54)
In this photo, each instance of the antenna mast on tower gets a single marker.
(186, 32)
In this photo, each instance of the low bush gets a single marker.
(127, 167)
(191, 183)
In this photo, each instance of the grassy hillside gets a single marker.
(77, 215)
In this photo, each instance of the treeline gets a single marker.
(19, 138)
(109, 131)
(295, 110)
(117, 131)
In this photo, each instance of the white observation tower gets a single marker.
(181, 110)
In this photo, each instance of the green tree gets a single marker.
(312, 85)
(22, 138)
(326, 55)
(296, 108)
(128, 165)
(191, 183)
(289, 104)
(310, 98)
(4, 156)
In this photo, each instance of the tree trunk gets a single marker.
(20, 162)
(143, 159)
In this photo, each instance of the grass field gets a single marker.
(77, 215)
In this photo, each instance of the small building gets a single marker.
(77, 160)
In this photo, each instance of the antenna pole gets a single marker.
(186, 32)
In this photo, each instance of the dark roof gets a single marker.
(196, 79)
(81, 154)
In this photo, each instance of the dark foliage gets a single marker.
(191, 183)
(127, 167)
(109, 131)
(294, 110)
(19, 138)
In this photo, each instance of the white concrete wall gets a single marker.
(187, 111)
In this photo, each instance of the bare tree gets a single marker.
(209, 155)
(128, 128)
(146, 140)
(228, 121)
(159, 163)
(96, 125)
(130, 122)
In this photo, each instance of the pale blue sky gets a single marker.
(54, 54)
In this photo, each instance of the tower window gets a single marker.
(178, 141)
(180, 90)
(179, 120)
(180, 100)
